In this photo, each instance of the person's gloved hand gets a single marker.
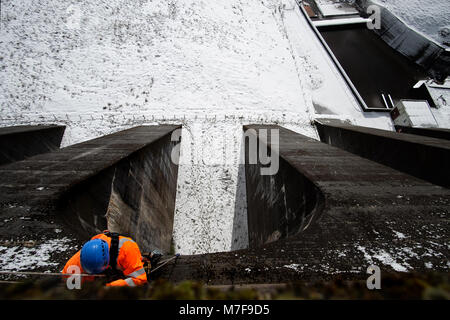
(155, 256)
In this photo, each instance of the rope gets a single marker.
(165, 262)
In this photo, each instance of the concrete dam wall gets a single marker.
(357, 213)
(125, 182)
(278, 206)
(20, 142)
(134, 197)
(323, 212)
(423, 157)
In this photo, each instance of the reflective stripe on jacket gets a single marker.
(129, 261)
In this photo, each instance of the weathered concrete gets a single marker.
(422, 157)
(339, 213)
(438, 133)
(281, 205)
(125, 182)
(21, 142)
(366, 213)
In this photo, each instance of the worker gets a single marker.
(116, 256)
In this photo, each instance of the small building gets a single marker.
(413, 113)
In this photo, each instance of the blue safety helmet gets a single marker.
(95, 256)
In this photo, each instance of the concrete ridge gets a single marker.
(364, 222)
(420, 156)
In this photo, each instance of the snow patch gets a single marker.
(18, 258)
(399, 235)
(387, 259)
(294, 266)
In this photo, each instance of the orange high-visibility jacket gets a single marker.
(129, 261)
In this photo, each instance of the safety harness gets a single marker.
(113, 272)
(114, 250)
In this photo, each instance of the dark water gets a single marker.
(373, 66)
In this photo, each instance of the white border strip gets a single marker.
(339, 22)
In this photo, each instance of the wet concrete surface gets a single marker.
(21, 142)
(281, 205)
(369, 214)
(68, 193)
(421, 156)
(364, 213)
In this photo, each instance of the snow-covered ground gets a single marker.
(103, 66)
(430, 17)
